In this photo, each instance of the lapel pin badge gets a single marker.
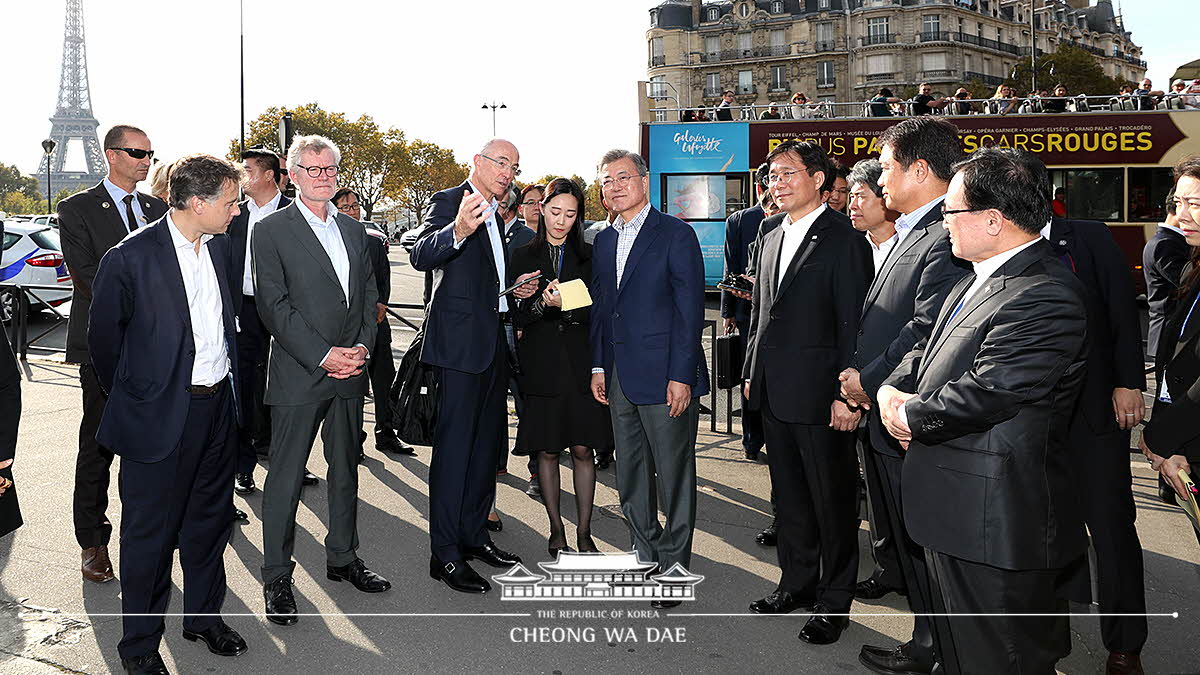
(1062, 242)
(104, 204)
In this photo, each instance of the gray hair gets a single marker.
(202, 176)
(616, 155)
(303, 144)
(867, 172)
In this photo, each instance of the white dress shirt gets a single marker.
(330, 236)
(255, 214)
(793, 237)
(984, 270)
(906, 222)
(880, 253)
(211, 364)
(118, 197)
(496, 239)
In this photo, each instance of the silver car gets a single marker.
(32, 255)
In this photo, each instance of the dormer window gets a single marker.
(744, 10)
(777, 7)
(653, 18)
(714, 14)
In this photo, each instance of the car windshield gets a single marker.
(47, 239)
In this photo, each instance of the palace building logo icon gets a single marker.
(598, 576)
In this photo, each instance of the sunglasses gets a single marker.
(136, 153)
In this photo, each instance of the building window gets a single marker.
(656, 52)
(714, 14)
(745, 83)
(777, 81)
(712, 84)
(658, 87)
(931, 23)
(778, 38)
(712, 48)
(824, 36)
(653, 18)
(933, 62)
(825, 75)
(777, 7)
(822, 4)
(744, 43)
(877, 25)
(744, 10)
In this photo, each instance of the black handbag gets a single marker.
(414, 397)
(730, 352)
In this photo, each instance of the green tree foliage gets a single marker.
(1074, 67)
(12, 180)
(593, 210)
(421, 169)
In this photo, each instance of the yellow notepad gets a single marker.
(574, 294)
(1190, 507)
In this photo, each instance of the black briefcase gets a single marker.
(730, 351)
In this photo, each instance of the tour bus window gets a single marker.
(735, 191)
(1092, 194)
(1148, 188)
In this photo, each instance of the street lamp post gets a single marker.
(494, 106)
(48, 147)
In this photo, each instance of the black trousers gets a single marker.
(921, 597)
(884, 549)
(253, 345)
(1110, 513)
(462, 469)
(185, 500)
(1001, 642)
(382, 371)
(752, 427)
(92, 466)
(814, 476)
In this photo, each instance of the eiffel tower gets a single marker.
(73, 119)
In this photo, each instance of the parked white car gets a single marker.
(32, 255)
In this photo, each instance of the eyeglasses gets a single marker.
(785, 176)
(504, 164)
(950, 212)
(347, 208)
(315, 171)
(531, 202)
(136, 153)
(618, 182)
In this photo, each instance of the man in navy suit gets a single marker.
(648, 312)
(162, 340)
(463, 247)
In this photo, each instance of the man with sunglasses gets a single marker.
(90, 223)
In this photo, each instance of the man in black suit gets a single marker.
(1163, 261)
(741, 229)
(263, 198)
(315, 292)
(1109, 406)
(10, 409)
(916, 158)
(90, 223)
(813, 271)
(463, 247)
(382, 366)
(986, 430)
(162, 340)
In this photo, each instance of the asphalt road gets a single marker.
(52, 622)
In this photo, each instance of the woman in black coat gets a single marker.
(1171, 439)
(555, 360)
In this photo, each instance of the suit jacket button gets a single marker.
(860, 331)
(616, 315)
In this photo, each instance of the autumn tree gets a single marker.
(421, 170)
(591, 194)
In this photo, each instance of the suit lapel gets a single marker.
(812, 239)
(111, 221)
(308, 239)
(354, 255)
(990, 287)
(889, 263)
(172, 275)
(485, 238)
(645, 238)
(768, 260)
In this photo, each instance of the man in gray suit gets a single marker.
(316, 295)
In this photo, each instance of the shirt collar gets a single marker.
(180, 241)
(271, 205)
(330, 214)
(492, 201)
(886, 242)
(909, 220)
(1045, 231)
(114, 191)
(986, 268)
(637, 221)
(1172, 228)
(805, 221)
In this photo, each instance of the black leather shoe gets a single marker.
(150, 664)
(357, 574)
(281, 604)
(769, 536)
(535, 487)
(220, 639)
(489, 554)
(664, 604)
(823, 628)
(240, 516)
(604, 459)
(458, 576)
(894, 661)
(494, 525)
(309, 479)
(243, 483)
(386, 441)
(780, 602)
(872, 588)
(751, 455)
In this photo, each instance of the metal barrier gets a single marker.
(19, 335)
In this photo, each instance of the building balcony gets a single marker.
(658, 60)
(938, 74)
(746, 90)
(827, 83)
(990, 80)
(773, 50)
(710, 92)
(936, 36)
(879, 77)
(823, 46)
(989, 43)
(879, 39)
(777, 87)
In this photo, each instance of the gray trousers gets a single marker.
(293, 429)
(656, 458)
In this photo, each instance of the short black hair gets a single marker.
(115, 137)
(266, 159)
(813, 156)
(562, 186)
(760, 175)
(1172, 209)
(884, 91)
(926, 137)
(342, 193)
(867, 172)
(202, 176)
(1188, 166)
(1013, 182)
(530, 188)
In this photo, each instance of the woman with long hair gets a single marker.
(555, 360)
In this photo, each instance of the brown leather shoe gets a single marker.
(96, 565)
(1124, 663)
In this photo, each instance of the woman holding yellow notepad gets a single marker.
(555, 360)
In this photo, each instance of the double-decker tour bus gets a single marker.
(1113, 163)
